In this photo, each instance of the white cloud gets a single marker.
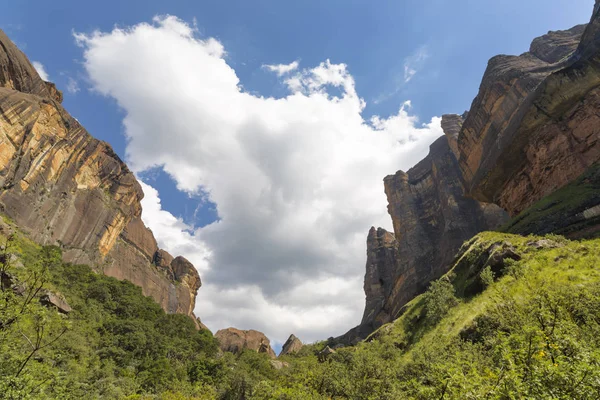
(39, 67)
(414, 62)
(411, 65)
(72, 86)
(282, 69)
(297, 180)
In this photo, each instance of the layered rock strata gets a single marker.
(431, 218)
(532, 129)
(64, 187)
(534, 126)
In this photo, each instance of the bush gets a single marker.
(439, 298)
(487, 276)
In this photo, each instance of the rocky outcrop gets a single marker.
(64, 187)
(431, 218)
(532, 129)
(235, 341)
(534, 126)
(56, 301)
(291, 346)
(451, 125)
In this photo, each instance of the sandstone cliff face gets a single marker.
(534, 125)
(235, 340)
(64, 187)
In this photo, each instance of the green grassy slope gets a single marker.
(516, 317)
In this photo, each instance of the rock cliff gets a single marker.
(64, 187)
(532, 129)
(534, 126)
(431, 218)
(235, 340)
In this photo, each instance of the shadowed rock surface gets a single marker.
(432, 218)
(235, 341)
(532, 129)
(64, 187)
(534, 126)
(55, 300)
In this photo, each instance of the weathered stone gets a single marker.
(55, 300)
(451, 125)
(235, 341)
(16, 72)
(556, 45)
(64, 187)
(325, 353)
(163, 259)
(140, 237)
(291, 346)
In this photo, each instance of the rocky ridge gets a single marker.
(64, 187)
(431, 219)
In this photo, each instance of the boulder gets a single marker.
(55, 300)
(291, 346)
(235, 341)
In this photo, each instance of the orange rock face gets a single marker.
(235, 340)
(64, 187)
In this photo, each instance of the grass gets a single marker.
(573, 263)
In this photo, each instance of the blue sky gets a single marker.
(429, 52)
(375, 38)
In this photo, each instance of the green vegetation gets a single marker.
(115, 344)
(517, 317)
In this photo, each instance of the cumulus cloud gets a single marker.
(282, 69)
(297, 180)
(39, 67)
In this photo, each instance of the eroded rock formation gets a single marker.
(291, 346)
(235, 340)
(431, 218)
(64, 187)
(534, 126)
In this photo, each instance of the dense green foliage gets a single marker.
(116, 343)
(526, 325)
